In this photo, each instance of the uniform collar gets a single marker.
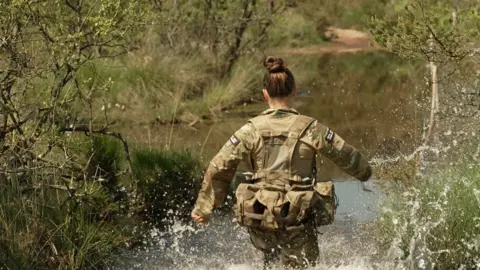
(271, 111)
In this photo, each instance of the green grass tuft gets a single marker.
(437, 218)
(168, 182)
(106, 159)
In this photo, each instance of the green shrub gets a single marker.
(45, 226)
(168, 183)
(294, 31)
(106, 158)
(437, 220)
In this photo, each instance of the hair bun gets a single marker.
(274, 65)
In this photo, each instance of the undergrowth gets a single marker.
(435, 222)
(169, 182)
(45, 226)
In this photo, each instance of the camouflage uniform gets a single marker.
(298, 248)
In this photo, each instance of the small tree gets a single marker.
(43, 45)
(226, 29)
(51, 218)
(444, 33)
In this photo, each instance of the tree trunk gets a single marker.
(435, 103)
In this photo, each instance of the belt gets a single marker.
(279, 178)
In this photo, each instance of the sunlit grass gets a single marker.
(436, 219)
(46, 229)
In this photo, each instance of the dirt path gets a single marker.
(343, 41)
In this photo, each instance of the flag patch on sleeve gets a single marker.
(330, 136)
(234, 140)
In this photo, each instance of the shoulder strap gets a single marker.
(260, 122)
(296, 129)
(300, 125)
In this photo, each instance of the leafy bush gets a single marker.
(168, 182)
(436, 222)
(46, 226)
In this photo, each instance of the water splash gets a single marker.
(222, 244)
(379, 161)
(422, 222)
(347, 244)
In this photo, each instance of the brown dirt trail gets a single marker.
(342, 41)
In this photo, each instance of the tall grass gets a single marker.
(44, 227)
(56, 218)
(105, 159)
(168, 182)
(163, 86)
(237, 88)
(436, 222)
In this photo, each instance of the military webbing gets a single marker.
(280, 142)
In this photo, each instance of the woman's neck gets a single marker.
(276, 103)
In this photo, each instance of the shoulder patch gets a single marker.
(234, 140)
(330, 136)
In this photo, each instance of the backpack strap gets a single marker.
(299, 127)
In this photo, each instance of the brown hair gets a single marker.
(279, 80)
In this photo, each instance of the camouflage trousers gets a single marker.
(297, 249)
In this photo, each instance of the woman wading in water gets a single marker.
(282, 204)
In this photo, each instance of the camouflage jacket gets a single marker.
(247, 145)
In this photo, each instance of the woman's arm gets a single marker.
(222, 169)
(345, 156)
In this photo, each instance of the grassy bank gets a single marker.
(49, 222)
(46, 226)
(435, 222)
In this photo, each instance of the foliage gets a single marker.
(224, 29)
(105, 159)
(238, 88)
(47, 226)
(306, 22)
(152, 87)
(45, 43)
(438, 31)
(53, 214)
(435, 220)
(168, 183)
(296, 30)
(342, 13)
